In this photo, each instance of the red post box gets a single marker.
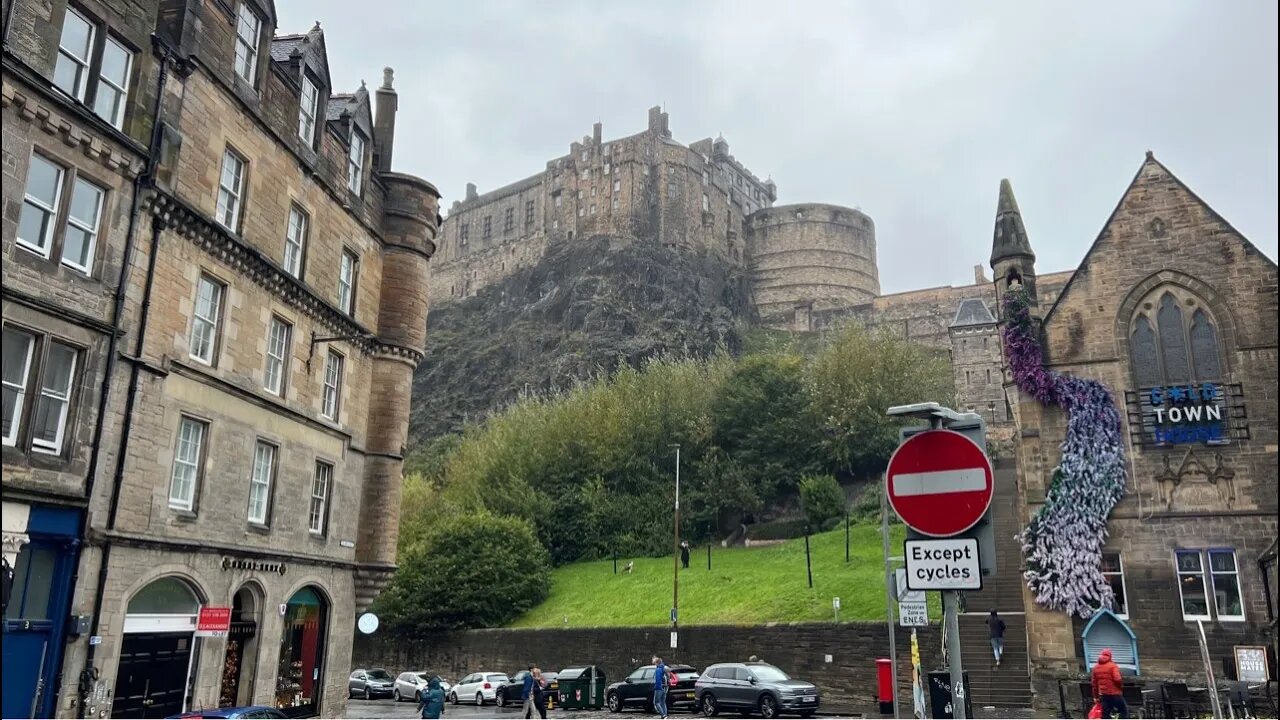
(884, 683)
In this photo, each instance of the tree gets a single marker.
(469, 570)
(858, 376)
(822, 501)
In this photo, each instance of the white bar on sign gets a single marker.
(939, 482)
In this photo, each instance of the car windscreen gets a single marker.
(768, 673)
(496, 678)
(379, 675)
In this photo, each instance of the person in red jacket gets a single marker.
(1108, 687)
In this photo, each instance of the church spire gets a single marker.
(1010, 240)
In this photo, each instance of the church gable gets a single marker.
(1161, 234)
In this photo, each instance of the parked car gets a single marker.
(636, 690)
(512, 690)
(370, 684)
(480, 688)
(411, 685)
(233, 713)
(754, 687)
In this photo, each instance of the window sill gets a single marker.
(318, 538)
(259, 528)
(183, 515)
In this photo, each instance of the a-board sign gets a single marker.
(950, 564)
(939, 482)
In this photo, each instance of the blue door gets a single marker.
(35, 618)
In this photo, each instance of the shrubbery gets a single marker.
(592, 471)
(468, 570)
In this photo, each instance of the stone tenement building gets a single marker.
(810, 266)
(1170, 296)
(210, 328)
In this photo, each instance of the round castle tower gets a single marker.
(810, 257)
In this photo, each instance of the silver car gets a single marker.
(411, 685)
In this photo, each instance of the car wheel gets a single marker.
(417, 697)
(479, 699)
(768, 707)
(500, 699)
(453, 698)
(395, 694)
(615, 704)
(709, 706)
(349, 693)
(367, 696)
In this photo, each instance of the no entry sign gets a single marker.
(939, 482)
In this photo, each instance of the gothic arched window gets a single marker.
(1173, 341)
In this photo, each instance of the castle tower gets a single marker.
(1012, 259)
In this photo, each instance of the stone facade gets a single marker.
(839, 658)
(254, 426)
(1197, 516)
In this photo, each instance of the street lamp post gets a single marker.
(675, 557)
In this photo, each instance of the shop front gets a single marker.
(241, 655)
(158, 651)
(300, 675)
(41, 547)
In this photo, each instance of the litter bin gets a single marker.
(582, 688)
(940, 695)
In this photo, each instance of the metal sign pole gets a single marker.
(951, 619)
(888, 598)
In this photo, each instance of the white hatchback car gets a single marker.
(411, 686)
(479, 688)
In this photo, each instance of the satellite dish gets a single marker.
(367, 623)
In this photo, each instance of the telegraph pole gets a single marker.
(675, 558)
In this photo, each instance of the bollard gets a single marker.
(884, 683)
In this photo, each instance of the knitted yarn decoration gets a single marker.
(1063, 543)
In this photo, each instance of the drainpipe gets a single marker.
(8, 22)
(141, 183)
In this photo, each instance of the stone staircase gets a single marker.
(1008, 686)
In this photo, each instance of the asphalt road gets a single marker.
(392, 709)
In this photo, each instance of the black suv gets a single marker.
(637, 689)
(754, 687)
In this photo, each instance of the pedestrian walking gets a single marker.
(526, 694)
(995, 628)
(684, 553)
(1108, 687)
(660, 687)
(539, 693)
(433, 699)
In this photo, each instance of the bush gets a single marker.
(468, 570)
(822, 500)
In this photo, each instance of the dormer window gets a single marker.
(355, 163)
(309, 106)
(248, 30)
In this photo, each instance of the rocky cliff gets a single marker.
(588, 306)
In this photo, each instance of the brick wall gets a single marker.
(847, 682)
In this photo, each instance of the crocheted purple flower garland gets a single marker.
(1063, 543)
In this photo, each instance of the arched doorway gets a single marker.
(156, 654)
(241, 658)
(301, 672)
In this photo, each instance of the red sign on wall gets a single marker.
(213, 621)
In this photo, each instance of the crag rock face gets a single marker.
(587, 307)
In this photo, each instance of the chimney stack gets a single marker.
(384, 123)
(979, 275)
(471, 191)
(597, 133)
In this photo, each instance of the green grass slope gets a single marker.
(744, 586)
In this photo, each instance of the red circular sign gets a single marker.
(939, 482)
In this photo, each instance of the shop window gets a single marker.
(1173, 341)
(1113, 572)
(300, 675)
(32, 583)
(241, 656)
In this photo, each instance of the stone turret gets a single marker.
(1012, 260)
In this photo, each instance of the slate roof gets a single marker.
(338, 103)
(282, 46)
(972, 311)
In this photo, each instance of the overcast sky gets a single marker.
(911, 111)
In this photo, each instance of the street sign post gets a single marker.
(940, 483)
(913, 610)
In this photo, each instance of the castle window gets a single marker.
(988, 376)
(555, 224)
(558, 200)
(586, 173)
(582, 211)
(593, 208)
(706, 203)
(617, 186)
(580, 194)
(646, 169)
(585, 154)
(509, 219)
(528, 211)
(671, 191)
(615, 202)
(1170, 346)
(464, 232)
(607, 168)
(488, 228)
(248, 29)
(593, 191)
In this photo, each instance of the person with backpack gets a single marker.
(433, 699)
(660, 683)
(995, 628)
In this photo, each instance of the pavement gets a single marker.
(391, 709)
